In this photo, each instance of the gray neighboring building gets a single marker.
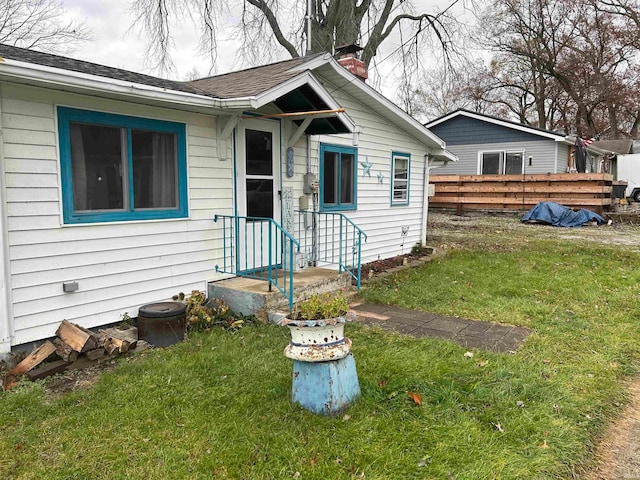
(487, 145)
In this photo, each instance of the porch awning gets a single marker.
(305, 99)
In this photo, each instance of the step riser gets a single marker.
(259, 303)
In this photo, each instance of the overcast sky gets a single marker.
(115, 44)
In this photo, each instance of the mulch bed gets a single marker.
(371, 269)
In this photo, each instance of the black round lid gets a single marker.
(162, 309)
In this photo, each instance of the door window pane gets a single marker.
(491, 163)
(97, 167)
(155, 169)
(513, 164)
(259, 146)
(260, 197)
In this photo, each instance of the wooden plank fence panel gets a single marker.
(521, 192)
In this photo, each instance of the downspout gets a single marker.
(425, 199)
(6, 304)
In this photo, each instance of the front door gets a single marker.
(258, 183)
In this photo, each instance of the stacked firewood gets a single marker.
(75, 347)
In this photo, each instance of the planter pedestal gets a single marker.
(325, 380)
(325, 388)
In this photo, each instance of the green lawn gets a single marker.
(218, 406)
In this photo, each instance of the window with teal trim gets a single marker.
(338, 177)
(118, 168)
(400, 166)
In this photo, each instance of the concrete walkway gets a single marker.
(468, 333)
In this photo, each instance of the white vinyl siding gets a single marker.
(119, 266)
(379, 139)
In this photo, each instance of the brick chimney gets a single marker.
(348, 58)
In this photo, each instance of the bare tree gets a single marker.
(39, 24)
(571, 63)
(269, 28)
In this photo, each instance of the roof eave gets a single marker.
(50, 76)
(443, 155)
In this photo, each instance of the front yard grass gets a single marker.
(218, 406)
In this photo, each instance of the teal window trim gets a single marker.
(325, 147)
(394, 156)
(67, 115)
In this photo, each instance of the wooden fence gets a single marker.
(521, 192)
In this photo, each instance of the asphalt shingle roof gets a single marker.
(243, 83)
(65, 63)
(249, 82)
(621, 147)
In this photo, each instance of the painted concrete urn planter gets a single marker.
(325, 380)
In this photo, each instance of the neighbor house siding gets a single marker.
(382, 222)
(563, 158)
(542, 153)
(463, 130)
(118, 266)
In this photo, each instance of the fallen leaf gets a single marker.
(382, 383)
(416, 397)
(544, 444)
(468, 354)
(546, 362)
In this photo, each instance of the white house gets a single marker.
(111, 181)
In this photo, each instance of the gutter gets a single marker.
(40, 74)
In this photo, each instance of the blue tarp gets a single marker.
(560, 216)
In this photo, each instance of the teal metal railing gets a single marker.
(330, 238)
(257, 247)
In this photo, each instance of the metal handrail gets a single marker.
(238, 232)
(319, 243)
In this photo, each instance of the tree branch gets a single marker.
(275, 26)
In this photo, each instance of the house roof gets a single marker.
(496, 121)
(260, 81)
(291, 85)
(80, 66)
(619, 147)
(249, 82)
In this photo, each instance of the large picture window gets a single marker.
(116, 167)
(501, 163)
(338, 169)
(400, 170)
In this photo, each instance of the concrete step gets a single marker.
(249, 296)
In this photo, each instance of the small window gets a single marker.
(338, 177)
(116, 167)
(400, 165)
(501, 163)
